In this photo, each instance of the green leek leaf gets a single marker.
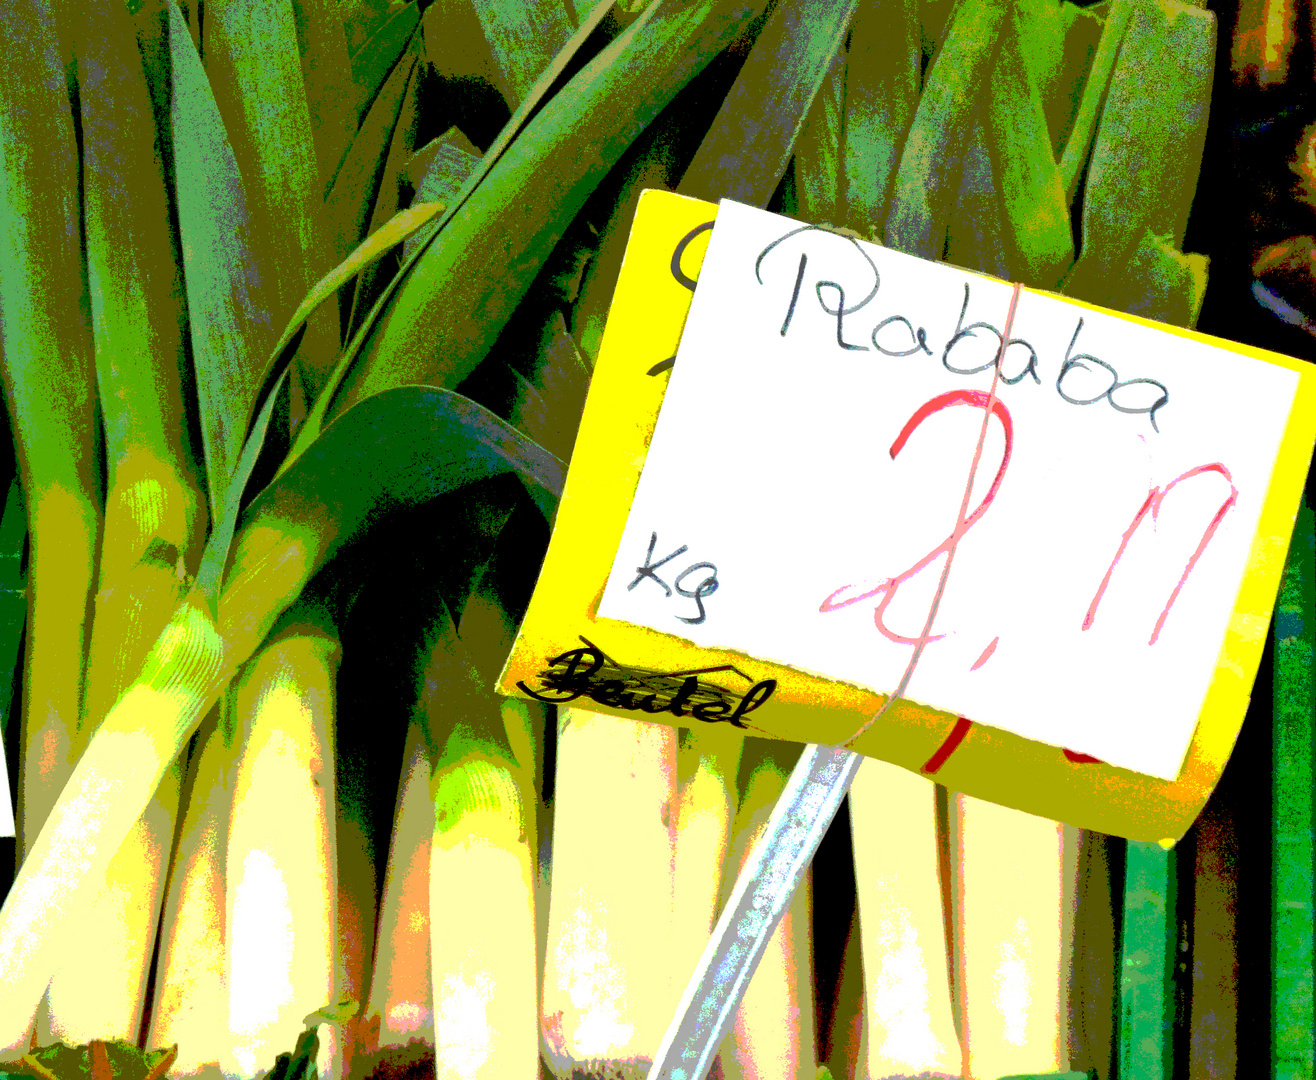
(510, 131)
(362, 18)
(749, 145)
(548, 406)
(882, 79)
(1064, 89)
(437, 172)
(329, 97)
(820, 150)
(348, 205)
(931, 161)
(231, 327)
(399, 447)
(440, 168)
(446, 310)
(1078, 144)
(1157, 281)
(1148, 146)
(388, 195)
(375, 61)
(975, 233)
(254, 67)
(1038, 231)
(217, 548)
(523, 36)
(138, 319)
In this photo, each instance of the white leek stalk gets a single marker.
(400, 997)
(191, 984)
(609, 983)
(280, 860)
(1013, 885)
(707, 761)
(483, 939)
(909, 1027)
(129, 754)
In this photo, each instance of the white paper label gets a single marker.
(807, 472)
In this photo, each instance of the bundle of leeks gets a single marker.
(297, 308)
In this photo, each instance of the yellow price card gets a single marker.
(836, 473)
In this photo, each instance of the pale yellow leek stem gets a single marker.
(113, 936)
(105, 795)
(482, 882)
(400, 996)
(281, 854)
(1010, 897)
(191, 985)
(482, 935)
(609, 981)
(909, 1026)
(63, 535)
(707, 760)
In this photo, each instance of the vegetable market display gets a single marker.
(299, 301)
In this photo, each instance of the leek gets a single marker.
(610, 981)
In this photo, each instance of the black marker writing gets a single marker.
(682, 278)
(962, 332)
(647, 570)
(1075, 360)
(918, 338)
(897, 336)
(839, 312)
(706, 586)
(589, 672)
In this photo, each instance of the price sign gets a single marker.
(846, 387)
(803, 482)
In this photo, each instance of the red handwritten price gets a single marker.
(888, 588)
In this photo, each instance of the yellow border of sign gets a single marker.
(644, 327)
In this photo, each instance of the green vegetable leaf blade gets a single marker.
(881, 95)
(398, 447)
(523, 36)
(446, 311)
(746, 150)
(820, 151)
(217, 547)
(1032, 195)
(1148, 146)
(373, 63)
(330, 98)
(230, 325)
(930, 162)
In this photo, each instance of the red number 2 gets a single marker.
(976, 399)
